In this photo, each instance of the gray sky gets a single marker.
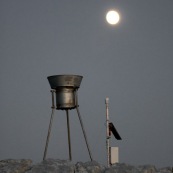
(131, 63)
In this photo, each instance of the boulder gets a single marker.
(53, 166)
(66, 166)
(166, 170)
(89, 167)
(147, 169)
(121, 168)
(15, 166)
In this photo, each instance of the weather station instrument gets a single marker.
(65, 88)
(112, 152)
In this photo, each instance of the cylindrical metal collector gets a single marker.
(65, 87)
(65, 98)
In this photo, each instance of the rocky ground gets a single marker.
(64, 166)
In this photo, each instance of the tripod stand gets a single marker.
(68, 126)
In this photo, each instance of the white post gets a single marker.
(107, 131)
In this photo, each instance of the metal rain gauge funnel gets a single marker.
(65, 88)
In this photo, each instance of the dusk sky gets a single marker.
(131, 63)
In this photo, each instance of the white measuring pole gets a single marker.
(107, 131)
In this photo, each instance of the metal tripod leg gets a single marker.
(80, 119)
(69, 141)
(48, 134)
(50, 125)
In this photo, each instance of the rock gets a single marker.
(15, 166)
(89, 167)
(147, 169)
(66, 166)
(53, 166)
(166, 170)
(122, 168)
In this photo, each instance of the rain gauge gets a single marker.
(64, 88)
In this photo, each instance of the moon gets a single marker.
(112, 17)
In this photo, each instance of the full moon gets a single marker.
(112, 17)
